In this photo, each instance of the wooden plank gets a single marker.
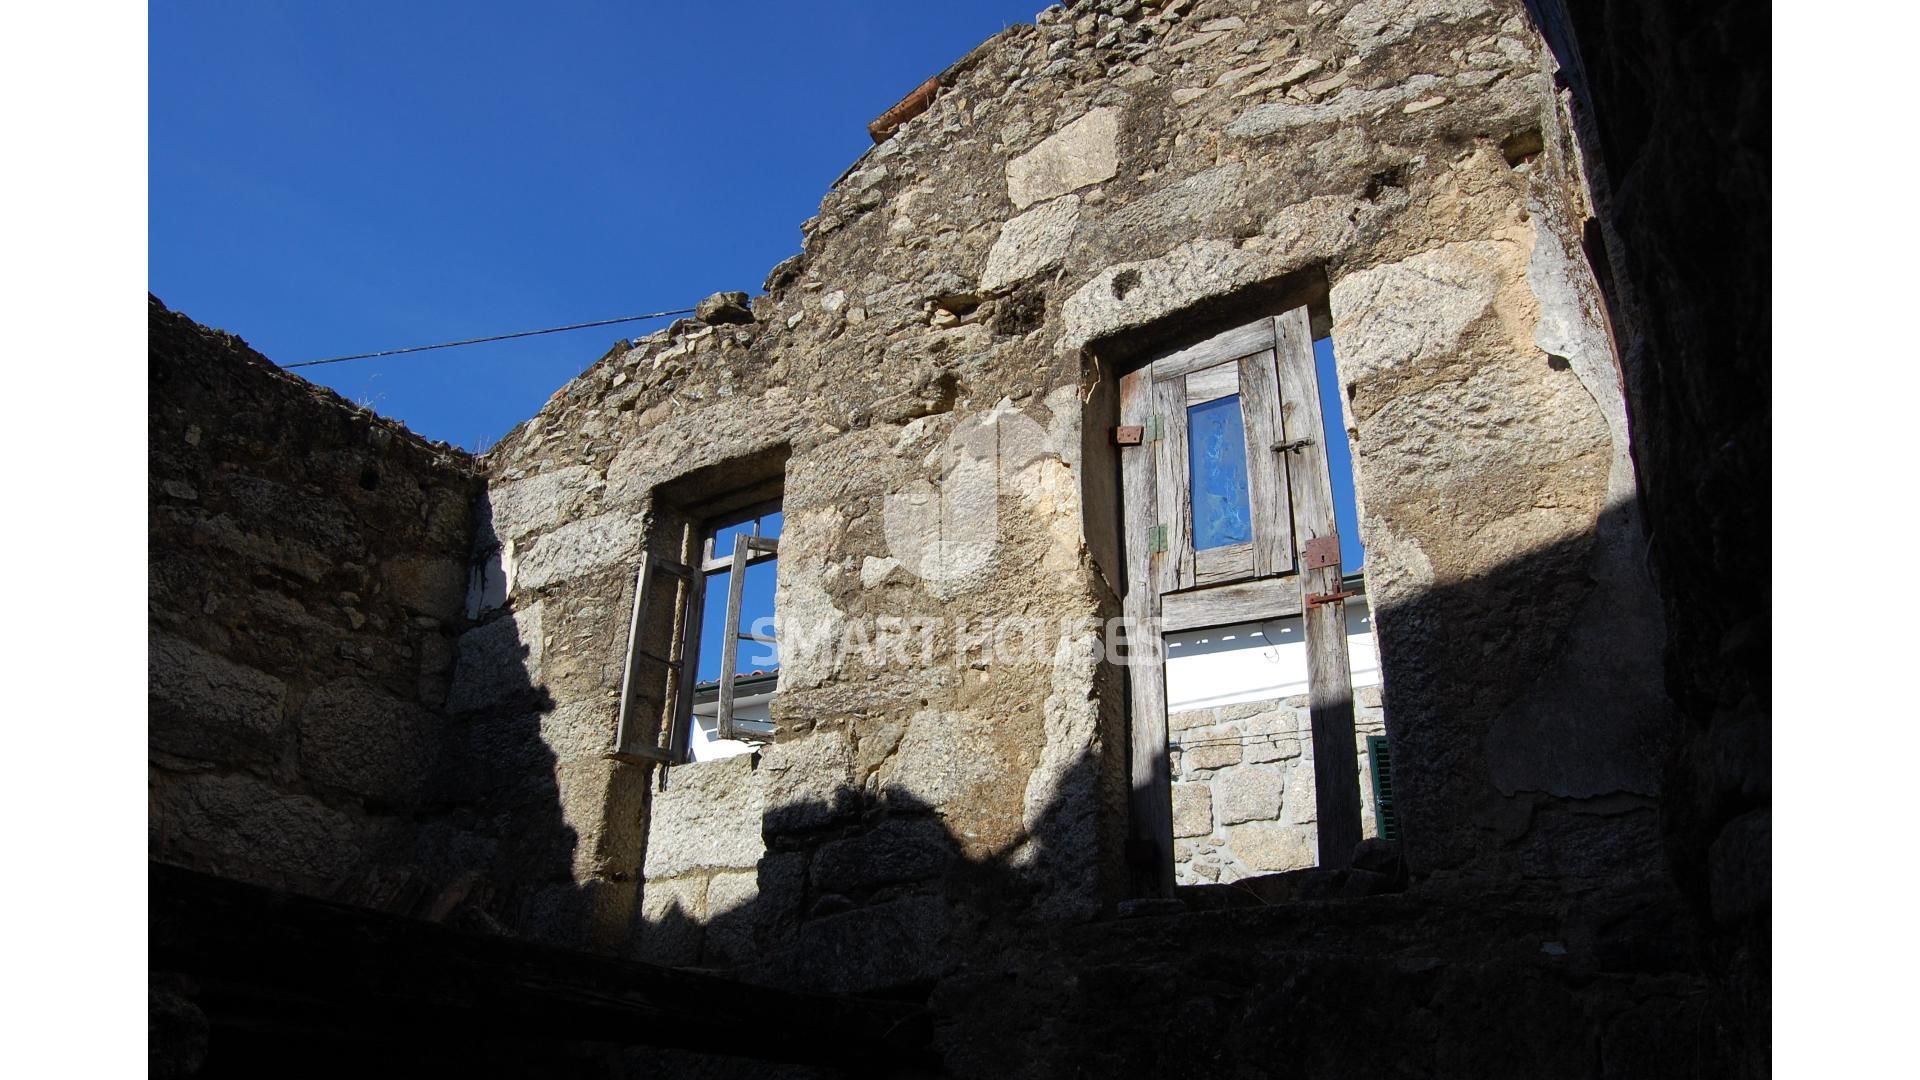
(725, 562)
(730, 643)
(1266, 474)
(1213, 383)
(1234, 562)
(1336, 764)
(1224, 605)
(1226, 345)
(1171, 485)
(626, 734)
(680, 737)
(1150, 802)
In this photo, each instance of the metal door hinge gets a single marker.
(1129, 435)
(1291, 445)
(1157, 538)
(1155, 429)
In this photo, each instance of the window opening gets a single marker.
(715, 615)
(1243, 560)
(1333, 416)
(736, 660)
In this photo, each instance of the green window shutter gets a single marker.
(1380, 758)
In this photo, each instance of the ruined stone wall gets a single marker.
(1082, 191)
(1662, 91)
(307, 562)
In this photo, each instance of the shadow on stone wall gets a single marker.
(1526, 712)
(1669, 91)
(1529, 732)
(868, 891)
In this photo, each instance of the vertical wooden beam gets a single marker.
(687, 661)
(1150, 817)
(627, 734)
(730, 650)
(1336, 764)
(1168, 399)
(1266, 473)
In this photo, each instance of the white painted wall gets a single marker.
(1226, 665)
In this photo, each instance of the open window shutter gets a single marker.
(1380, 759)
(644, 689)
(1174, 536)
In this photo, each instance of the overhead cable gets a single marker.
(494, 337)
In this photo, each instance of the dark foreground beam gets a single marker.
(299, 985)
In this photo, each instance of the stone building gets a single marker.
(1034, 410)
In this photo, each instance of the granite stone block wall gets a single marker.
(1117, 178)
(306, 566)
(1243, 792)
(1111, 179)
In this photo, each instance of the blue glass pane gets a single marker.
(1217, 473)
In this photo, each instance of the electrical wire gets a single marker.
(495, 337)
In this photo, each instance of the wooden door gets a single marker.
(1228, 507)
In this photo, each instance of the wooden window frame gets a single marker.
(748, 550)
(1169, 586)
(635, 738)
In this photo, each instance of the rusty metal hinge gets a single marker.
(1129, 435)
(1157, 538)
(1322, 552)
(1315, 599)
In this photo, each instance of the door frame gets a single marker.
(1292, 567)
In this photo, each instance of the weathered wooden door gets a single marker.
(1229, 518)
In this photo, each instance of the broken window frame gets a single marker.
(681, 587)
(749, 549)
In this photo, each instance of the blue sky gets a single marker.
(1333, 401)
(346, 177)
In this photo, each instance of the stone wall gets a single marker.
(1417, 986)
(1662, 91)
(306, 565)
(1243, 792)
(1115, 179)
(1111, 180)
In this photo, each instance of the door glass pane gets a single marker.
(1217, 473)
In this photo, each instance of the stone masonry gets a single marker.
(1243, 786)
(307, 564)
(1061, 205)
(1083, 191)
